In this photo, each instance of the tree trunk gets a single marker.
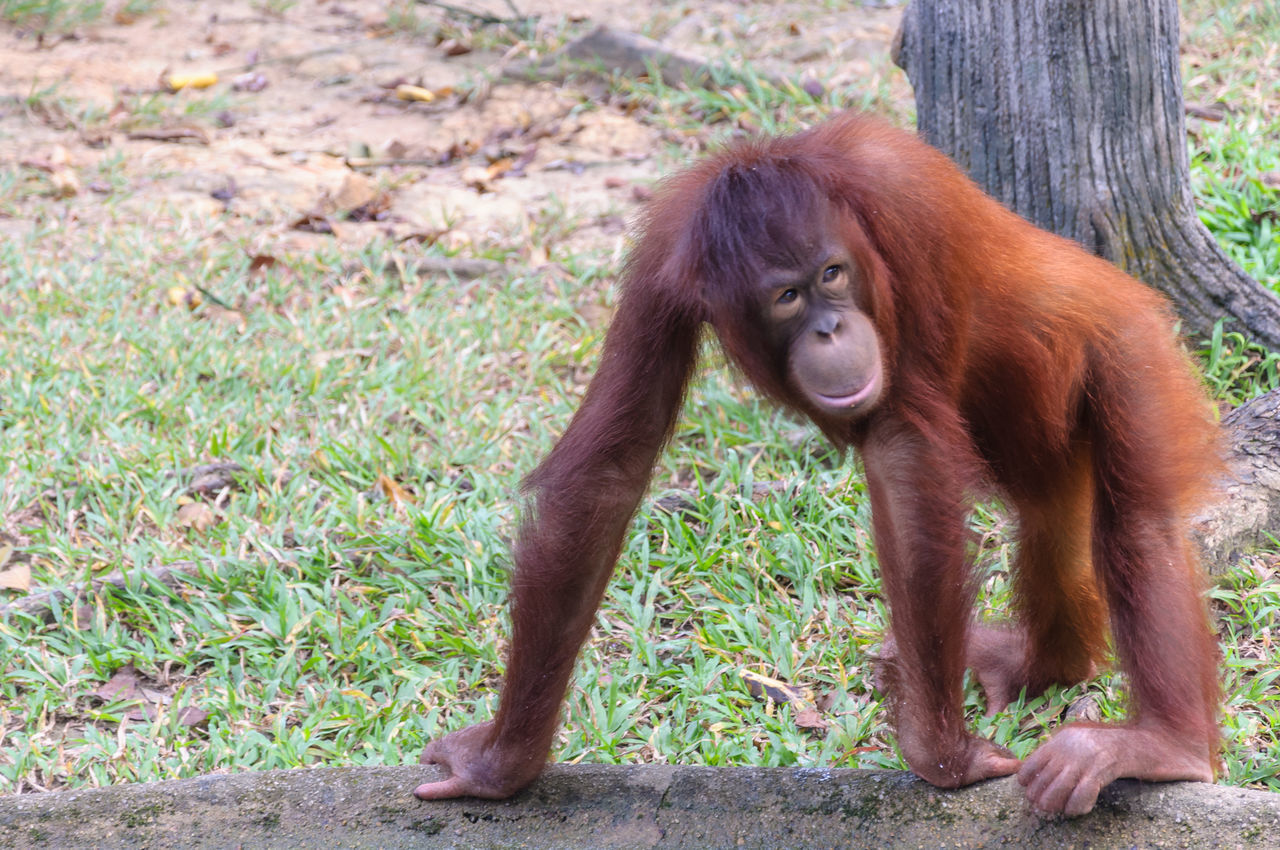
(1249, 512)
(1070, 112)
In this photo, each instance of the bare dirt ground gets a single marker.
(303, 139)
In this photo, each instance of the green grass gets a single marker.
(1236, 369)
(1237, 185)
(50, 16)
(64, 17)
(742, 100)
(328, 624)
(1231, 58)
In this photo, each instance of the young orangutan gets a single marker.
(855, 275)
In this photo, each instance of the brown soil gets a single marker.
(303, 130)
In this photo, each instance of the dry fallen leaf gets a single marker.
(414, 93)
(827, 701)
(123, 684)
(182, 296)
(174, 82)
(805, 713)
(356, 190)
(189, 716)
(313, 223)
(127, 685)
(66, 184)
(17, 577)
(499, 167)
(260, 262)
(393, 491)
(1086, 708)
(809, 718)
(775, 689)
(195, 515)
(216, 483)
(453, 47)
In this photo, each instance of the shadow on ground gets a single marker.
(623, 807)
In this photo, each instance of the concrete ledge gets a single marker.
(626, 807)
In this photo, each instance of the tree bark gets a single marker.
(1248, 514)
(1070, 112)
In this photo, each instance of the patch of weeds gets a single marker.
(274, 8)
(479, 30)
(1237, 184)
(1230, 54)
(19, 185)
(403, 18)
(55, 110)
(1236, 369)
(131, 10)
(1247, 603)
(50, 17)
(745, 100)
(1231, 64)
(111, 172)
(159, 108)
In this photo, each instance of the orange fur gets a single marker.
(1013, 361)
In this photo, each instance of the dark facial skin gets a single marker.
(832, 353)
